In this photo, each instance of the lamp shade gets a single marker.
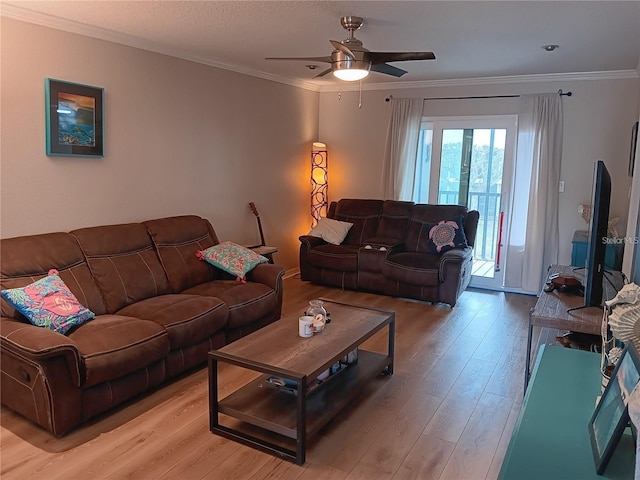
(319, 182)
(318, 147)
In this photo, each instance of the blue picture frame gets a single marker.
(74, 119)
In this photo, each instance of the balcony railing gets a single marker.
(488, 204)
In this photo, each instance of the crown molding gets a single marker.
(22, 14)
(573, 76)
(44, 20)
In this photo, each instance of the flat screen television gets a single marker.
(598, 232)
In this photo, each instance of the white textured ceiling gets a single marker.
(471, 39)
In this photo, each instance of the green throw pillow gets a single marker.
(232, 258)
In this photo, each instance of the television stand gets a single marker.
(552, 311)
(607, 275)
(573, 309)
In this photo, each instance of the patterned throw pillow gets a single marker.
(49, 303)
(446, 235)
(232, 258)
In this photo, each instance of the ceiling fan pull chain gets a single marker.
(360, 100)
(339, 96)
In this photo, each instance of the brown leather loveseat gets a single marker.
(387, 250)
(159, 311)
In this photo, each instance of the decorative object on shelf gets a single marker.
(621, 325)
(612, 227)
(351, 357)
(611, 415)
(319, 182)
(585, 212)
(564, 284)
(74, 119)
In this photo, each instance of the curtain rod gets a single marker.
(560, 92)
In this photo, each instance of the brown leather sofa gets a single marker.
(159, 311)
(386, 251)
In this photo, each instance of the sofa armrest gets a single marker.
(453, 259)
(40, 345)
(267, 274)
(310, 241)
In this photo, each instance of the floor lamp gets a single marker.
(319, 184)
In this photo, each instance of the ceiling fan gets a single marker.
(350, 61)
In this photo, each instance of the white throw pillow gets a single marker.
(332, 231)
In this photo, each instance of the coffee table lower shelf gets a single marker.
(285, 421)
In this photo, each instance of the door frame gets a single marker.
(509, 122)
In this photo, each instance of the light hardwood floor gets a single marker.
(447, 412)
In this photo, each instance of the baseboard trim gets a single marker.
(291, 273)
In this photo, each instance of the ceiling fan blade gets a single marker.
(322, 74)
(388, 69)
(344, 49)
(383, 57)
(306, 59)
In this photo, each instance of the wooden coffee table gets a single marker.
(279, 423)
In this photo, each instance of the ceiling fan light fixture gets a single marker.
(351, 74)
(351, 62)
(351, 70)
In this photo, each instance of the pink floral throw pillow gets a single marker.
(49, 303)
(232, 258)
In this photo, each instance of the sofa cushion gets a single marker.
(123, 262)
(335, 257)
(247, 302)
(49, 303)
(412, 268)
(394, 221)
(364, 214)
(232, 258)
(446, 235)
(23, 260)
(176, 240)
(332, 231)
(113, 345)
(188, 319)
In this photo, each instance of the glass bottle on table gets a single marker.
(319, 313)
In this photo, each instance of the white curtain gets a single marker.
(533, 238)
(399, 163)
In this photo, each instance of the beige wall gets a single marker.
(180, 138)
(597, 125)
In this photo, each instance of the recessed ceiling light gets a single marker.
(312, 67)
(550, 48)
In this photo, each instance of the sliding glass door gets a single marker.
(468, 161)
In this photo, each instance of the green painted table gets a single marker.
(551, 438)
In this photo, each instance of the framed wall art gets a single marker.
(74, 119)
(611, 415)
